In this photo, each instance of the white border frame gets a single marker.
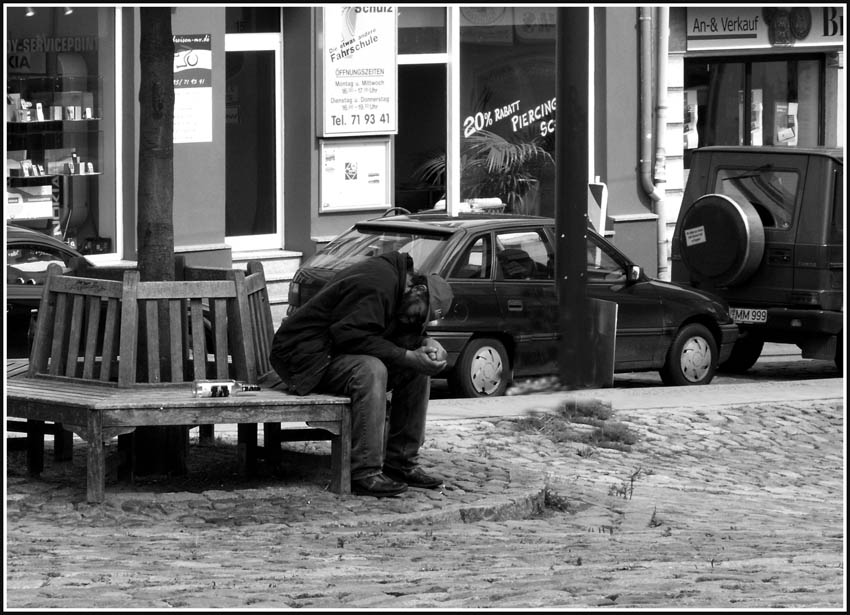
(265, 41)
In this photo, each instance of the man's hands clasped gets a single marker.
(430, 358)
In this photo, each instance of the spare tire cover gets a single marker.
(721, 240)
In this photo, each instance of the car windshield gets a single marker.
(359, 244)
(771, 191)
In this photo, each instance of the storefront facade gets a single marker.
(291, 123)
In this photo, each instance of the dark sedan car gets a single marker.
(28, 254)
(503, 321)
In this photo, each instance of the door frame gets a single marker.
(264, 41)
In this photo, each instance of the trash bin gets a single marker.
(602, 333)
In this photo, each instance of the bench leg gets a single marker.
(246, 448)
(63, 444)
(271, 443)
(206, 435)
(341, 457)
(35, 447)
(96, 460)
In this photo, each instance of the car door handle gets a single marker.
(515, 305)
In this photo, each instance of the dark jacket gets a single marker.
(354, 313)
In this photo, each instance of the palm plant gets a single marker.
(492, 166)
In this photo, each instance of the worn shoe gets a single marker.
(414, 478)
(378, 486)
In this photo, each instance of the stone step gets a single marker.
(277, 264)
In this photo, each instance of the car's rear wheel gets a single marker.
(745, 353)
(692, 357)
(483, 369)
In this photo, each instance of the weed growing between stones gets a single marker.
(626, 488)
(561, 426)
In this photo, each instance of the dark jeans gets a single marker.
(382, 432)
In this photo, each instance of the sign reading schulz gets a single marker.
(359, 73)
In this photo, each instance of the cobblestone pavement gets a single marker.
(734, 506)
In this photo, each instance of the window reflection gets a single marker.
(508, 106)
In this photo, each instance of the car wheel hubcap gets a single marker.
(696, 359)
(486, 370)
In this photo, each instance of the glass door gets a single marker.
(253, 207)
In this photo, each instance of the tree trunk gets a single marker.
(155, 224)
(157, 449)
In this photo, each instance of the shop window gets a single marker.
(420, 184)
(507, 98)
(507, 112)
(763, 101)
(61, 148)
(246, 20)
(421, 29)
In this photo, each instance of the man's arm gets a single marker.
(360, 318)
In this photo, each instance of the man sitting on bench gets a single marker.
(363, 335)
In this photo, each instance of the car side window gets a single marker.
(22, 263)
(525, 255)
(474, 263)
(773, 193)
(601, 266)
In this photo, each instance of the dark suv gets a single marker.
(763, 227)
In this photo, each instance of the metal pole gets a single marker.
(571, 192)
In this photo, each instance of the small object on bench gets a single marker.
(220, 388)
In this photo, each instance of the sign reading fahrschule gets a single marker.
(359, 84)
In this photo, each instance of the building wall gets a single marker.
(300, 148)
(618, 106)
(198, 204)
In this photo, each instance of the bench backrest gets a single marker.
(78, 318)
(143, 332)
(259, 308)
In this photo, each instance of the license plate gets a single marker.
(748, 315)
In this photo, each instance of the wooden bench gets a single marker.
(110, 356)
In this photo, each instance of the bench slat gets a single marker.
(59, 328)
(151, 326)
(92, 326)
(219, 326)
(128, 337)
(74, 334)
(110, 339)
(175, 334)
(199, 347)
(87, 286)
(190, 290)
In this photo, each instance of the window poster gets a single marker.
(355, 174)
(192, 88)
(359, 72)
(785, 118)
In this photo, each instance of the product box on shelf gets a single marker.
(13, 104)
(56, 159)
(78, 101)
(13, 161)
